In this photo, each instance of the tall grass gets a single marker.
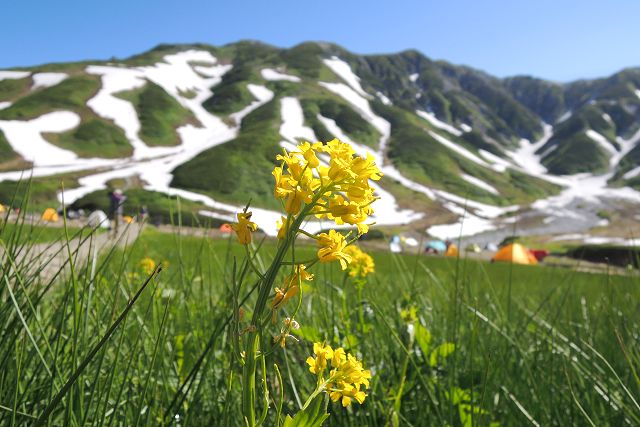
(105, 342)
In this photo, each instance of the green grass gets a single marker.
(159, 113)
(94, 138)
(531, 343)
(37, 193)
(11, 89)
(240, 169)
(231, 94)
(36, 232)
(71, 94)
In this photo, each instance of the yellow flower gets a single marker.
(147, 265)
(331, 248)
(345, 379)
(347, 393)
(291, 286)
(339, 190)
(323, 353)
(244, 227)
(361, 263)
(308, 151)
(282, 227)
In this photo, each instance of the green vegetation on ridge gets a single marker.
(159, 114)
(240, 169)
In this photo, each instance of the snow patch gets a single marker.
(343, 70)
(9, 74)
(607, 117)
(431, 118)
(262, 96)
(479, 183)
(632, 173)
(383, 98)
(26, 138)
(4, 104)
(458, 149)
(292, 127)
(465, 127)
(47, 79)
(602, 141)
(414, 77)
(525, 156)
(362, 106)
(564, 117)
(637, 92)
(273, 75)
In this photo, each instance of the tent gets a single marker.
(452, 250)
(515, 253)
(50, 215)
(2, 208)
(491, 247)
(127, 219)
(437, 246)
(473, 248)
(98, 219)
(226, 228)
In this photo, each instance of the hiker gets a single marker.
(117, 199)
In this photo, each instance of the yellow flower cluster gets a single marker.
(339, 189)
(361, 263)
(346, 377)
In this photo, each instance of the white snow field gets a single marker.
(292, 127)
(479, 183)
(431, 118)
(274, 75)
(262, 96)
(343, 70)
(43, 80)
(9, 74)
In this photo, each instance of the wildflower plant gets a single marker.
(322, 181)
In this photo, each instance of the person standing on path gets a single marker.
(117, 199)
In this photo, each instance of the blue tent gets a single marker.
(436, 245)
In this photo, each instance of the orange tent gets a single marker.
(127, 219)
(50, 215)
(515, 253)
(452, 250)
(226, 228)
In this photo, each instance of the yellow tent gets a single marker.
(452, 250)
(515, 253)
(127, 219)
(50, 215)
(2, 209)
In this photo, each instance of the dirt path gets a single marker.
(51, 259)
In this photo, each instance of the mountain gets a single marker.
(205, 123)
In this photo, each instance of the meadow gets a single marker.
(449, 341)
(305, 328)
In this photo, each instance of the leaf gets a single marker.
(314, 416)
(308, 333)
(440, 353)
(423, 337)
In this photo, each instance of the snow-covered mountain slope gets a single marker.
(205, 124)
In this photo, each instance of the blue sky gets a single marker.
(560, 40)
